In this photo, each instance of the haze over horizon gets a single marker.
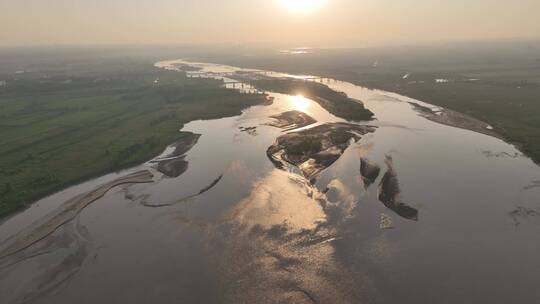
(318, 23)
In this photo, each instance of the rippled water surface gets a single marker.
(264, 235)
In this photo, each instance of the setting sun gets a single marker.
(301, 6)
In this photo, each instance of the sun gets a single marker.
(302, 6)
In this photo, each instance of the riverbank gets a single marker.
(511, 112)
(455, 119)
(57, 133)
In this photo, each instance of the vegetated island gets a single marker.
(315, 149)
(334, 102)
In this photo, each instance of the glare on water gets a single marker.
(300, 103)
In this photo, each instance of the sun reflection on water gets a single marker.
(300, 103)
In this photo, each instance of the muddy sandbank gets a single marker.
(173, 167)
(186, 198)
(369, 171)
(389, 192)
(185, 144)
(66, 212)
(174, 164)
(291, 120)
(455, 119)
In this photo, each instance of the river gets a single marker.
(259, 234)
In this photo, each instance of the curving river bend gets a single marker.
(234, 228)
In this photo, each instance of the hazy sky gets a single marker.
(335, 23)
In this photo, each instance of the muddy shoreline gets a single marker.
(67, 212)
(455, 119)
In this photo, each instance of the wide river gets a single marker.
(266, 235)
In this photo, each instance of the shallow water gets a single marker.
(266, 235)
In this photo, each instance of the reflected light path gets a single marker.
(300, 103)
